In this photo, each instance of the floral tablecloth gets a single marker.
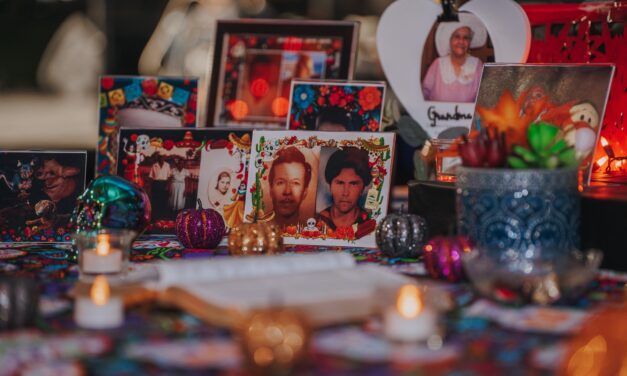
(481, 337)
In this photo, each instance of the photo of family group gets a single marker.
(38, 191)
(320, 187)
(174, 167)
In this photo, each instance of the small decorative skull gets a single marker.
(143, 142)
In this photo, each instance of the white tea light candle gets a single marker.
(410, 320)
(99, 309)
(103, 259)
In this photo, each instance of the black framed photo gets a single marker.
(255, 61)
(38, 192)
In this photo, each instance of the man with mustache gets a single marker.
(289, 179)
(348, 174)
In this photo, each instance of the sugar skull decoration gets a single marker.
(114, 203)
(143, 142)
(311, 230)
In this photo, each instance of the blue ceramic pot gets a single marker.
(519, 211)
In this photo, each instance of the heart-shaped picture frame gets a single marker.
(401, 42)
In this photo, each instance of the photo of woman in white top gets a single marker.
(218, 191)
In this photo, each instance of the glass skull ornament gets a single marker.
(114, 203)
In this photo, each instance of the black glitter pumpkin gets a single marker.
(401, 235)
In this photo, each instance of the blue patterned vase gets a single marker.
(519, 211)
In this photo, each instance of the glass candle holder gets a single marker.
(98, 306)
(104, 251)
(446, 159)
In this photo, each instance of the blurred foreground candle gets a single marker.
(103, 259)
(410, 320)
(99, 309)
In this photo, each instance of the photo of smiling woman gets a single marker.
(454, 76)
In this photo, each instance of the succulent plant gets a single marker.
(547, 149)
(486, 149)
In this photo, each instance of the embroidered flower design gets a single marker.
(369, 98)
(303, 96)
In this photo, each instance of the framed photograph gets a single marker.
(38, 192)
(179, 167)
(434, 62)
(328, 188)
(336, 106)
(256, 60)
(141, 102)
(570, 96)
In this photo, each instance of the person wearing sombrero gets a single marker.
(455, 75)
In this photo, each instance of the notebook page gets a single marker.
(191, 272)
(307, 288)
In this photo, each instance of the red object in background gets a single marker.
(259, 87)
(293, 44)
(280, 106)
(587, 33)
(238, 109)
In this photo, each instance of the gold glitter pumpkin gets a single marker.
(274, 340)
(255, 239)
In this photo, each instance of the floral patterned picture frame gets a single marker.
(141, 102)
(328, 188)
(341, 105)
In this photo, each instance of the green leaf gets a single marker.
(547, 134)
(541, 135)
(533, 137)
(558, 146)
(568, 157)
(516, 162)
(525, 154)
(552, 162)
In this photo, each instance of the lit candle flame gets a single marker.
(604, 142)
(409, 301)
(100, 290)
(102, 247)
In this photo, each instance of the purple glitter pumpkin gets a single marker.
(200, 228)
(443, 257)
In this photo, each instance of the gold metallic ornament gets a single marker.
(255, 239)
(274, 340)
